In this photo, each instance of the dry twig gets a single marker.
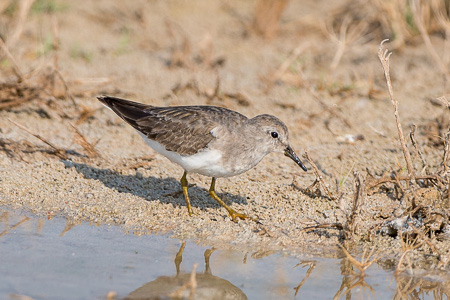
(319, 177)
(81, 140)
(384, 56)
(61, 153)
(414, 142)
(359, 194)
(446, 155)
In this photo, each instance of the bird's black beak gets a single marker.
(291, 154)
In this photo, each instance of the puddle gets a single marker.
(51, 259)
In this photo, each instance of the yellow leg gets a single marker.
(184, 186)
(179, 257)
(207, 255)
(232, 212)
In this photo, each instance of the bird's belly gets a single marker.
(207, 162)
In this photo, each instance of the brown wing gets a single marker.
(181, 129)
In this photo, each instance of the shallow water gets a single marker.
(50, 259)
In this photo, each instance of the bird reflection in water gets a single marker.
(188, 285)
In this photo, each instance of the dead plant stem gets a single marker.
(83, 142)
(358, 200)
(446, 154)
(414, 142)
(61, 153)
(384, 56)
(318, 176)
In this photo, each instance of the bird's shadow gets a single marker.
(167, 190)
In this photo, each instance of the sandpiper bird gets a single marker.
(208, 140)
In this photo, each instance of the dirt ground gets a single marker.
(316, 68)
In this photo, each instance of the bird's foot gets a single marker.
(235, 215)
(191, 212)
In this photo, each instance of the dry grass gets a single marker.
(81, 140)
(422, 11)
(59, 152)
(417, 190)
(398, 20)
(366, 261)
(43, 88)
(351, 33)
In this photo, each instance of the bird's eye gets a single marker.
(274, 134)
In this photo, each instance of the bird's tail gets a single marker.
(129, 111)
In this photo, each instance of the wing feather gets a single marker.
(181, 129)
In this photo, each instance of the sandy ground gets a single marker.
(174, 53)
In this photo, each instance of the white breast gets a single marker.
(206, 162)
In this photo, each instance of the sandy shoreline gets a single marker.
(128, 184)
